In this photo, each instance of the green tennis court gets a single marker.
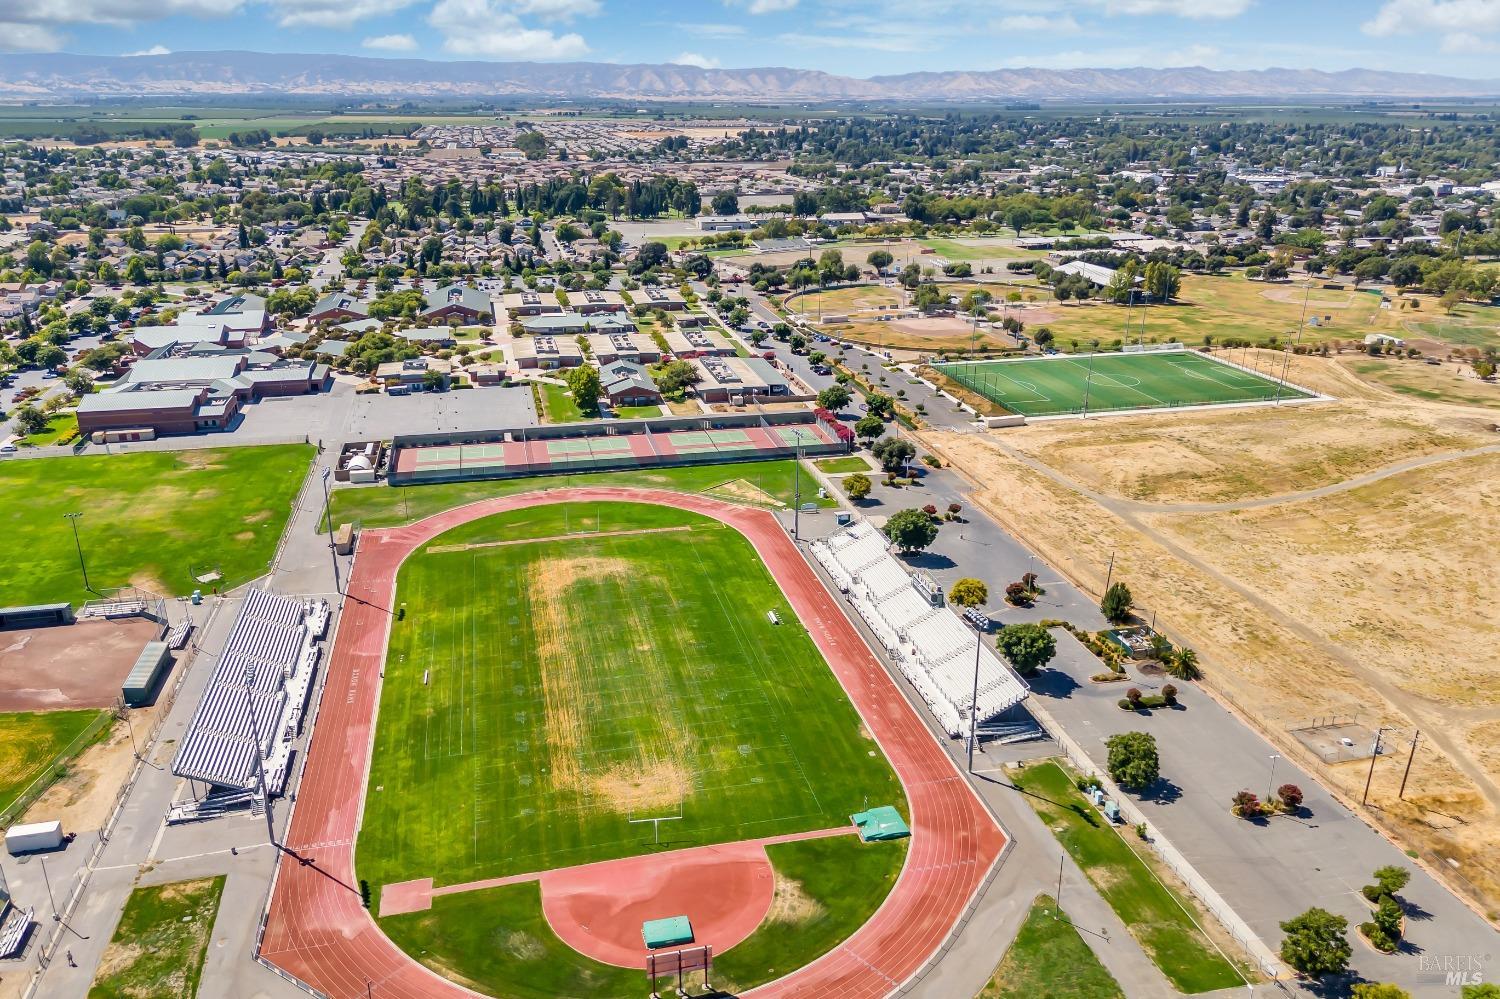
(1054, 386)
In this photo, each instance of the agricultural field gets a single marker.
(30, 741)
(761, 483)
(1060, 385)
(1274, 540)
(1049, 960)
(1157, 917)
(622, 664)
(159, 946)
(150, 519)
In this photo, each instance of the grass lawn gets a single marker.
(30, 741)
(759, 482)
(557, 404)
(147, 518)
(599, 678)
(1049, 960)
(59, 425)
(975, 249)
(497, 939)
(637, 412)
(1436, 383)
(1047, 386)
(159, 946)
(839, 466)
(1155, 916)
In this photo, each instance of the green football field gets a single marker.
(564, 669)
(1051, 386)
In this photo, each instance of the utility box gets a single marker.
(33, 836)
(343, 539)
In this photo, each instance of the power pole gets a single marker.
(1401, 795)
(1374, 755)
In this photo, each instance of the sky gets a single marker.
(847, 37)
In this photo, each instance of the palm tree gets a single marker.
(1183, 664)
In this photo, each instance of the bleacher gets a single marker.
(257, 696)
(930, 645)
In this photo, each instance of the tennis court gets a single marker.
(598, 448)
(1055, 386)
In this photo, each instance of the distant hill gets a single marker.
(60, 75)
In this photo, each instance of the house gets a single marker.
(338, 307)
(626, 383)
(457, 301)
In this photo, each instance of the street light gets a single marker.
(333, 552)
(1272, 783)
(73, 519)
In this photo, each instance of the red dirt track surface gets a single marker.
(318, 931)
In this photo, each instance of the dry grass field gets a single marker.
(1322, 559)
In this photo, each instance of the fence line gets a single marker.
(44, 780)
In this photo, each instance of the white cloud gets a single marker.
(695, 59)
(28, 38)
(1193, 9)
(391, 43)
(557, 10)
(1063, 24)
(1468, 45)
(47, 13)
(154, 50)
(490, 28)
(762, 6)
(896, 41)
(332, 13)
(1126, 57)
(1454, 17)
(712, 30)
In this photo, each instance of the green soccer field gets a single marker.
(1051, 386)
(545, 686)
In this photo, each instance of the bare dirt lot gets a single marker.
(1323, 559)
(70, 666)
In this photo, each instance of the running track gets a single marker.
(318, 931)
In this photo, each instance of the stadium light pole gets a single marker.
(333, 552)
(974, 702)
(1089, 382)
(83, 566)
(797, 496)
(1286, 360)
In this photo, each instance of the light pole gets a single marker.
(1089, 383)
(1272, 783)
(797, 496)
(974, 702)
(47, 879)
(83, 566)
(1374, 755)
(333, 552)
(260, 764)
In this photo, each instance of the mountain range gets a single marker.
(63, 76)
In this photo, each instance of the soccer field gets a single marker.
(1051, 386)
(546, 685)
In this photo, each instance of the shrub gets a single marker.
(1116, 604)
(1246, 805)
(1388, 881)
(1015, 593)
(1169, 694)
(1087, 783)
(1133, 759)
(1290, 796)
(1133, 695)
(1316, 943)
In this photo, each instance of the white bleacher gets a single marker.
(931, 646)
(266, 669)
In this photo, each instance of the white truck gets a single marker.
(33, 836)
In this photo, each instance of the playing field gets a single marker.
(1052, 386)
(563, 669)
(149, 519)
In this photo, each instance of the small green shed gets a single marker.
(669, 932)
(880, 823)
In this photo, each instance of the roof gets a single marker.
(237, 305)
(457, 294)
(880, 823)
(126, 400)
(338, 300)
(184, 369)
(334, 348)
(625, 374)
(143, 673)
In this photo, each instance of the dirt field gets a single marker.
(1322, 559)
(70, 666)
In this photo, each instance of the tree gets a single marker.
(911, 530)
(880, 260)
(857, 486)
(434, 380)
(969, 592)
(583, 381)
(1290, 796)
(1383, 990)
(880, 405)
(1163, 281)
(31, 420)
(675, 376)
(1029, 647)
(1116, 604)
(1485, 990)
(1389, 880)
(1018, 218)
(1133, 760)
(78, 382)
(869, 427)
(834, 398)
(1183, 664)
(893, 453)
(1316, 943)
(652, 254)
(725, 203)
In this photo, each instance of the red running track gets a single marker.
(318, 931)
